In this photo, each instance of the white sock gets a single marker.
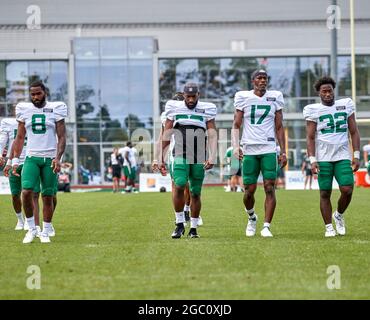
(266, 225)
(250, 212)
(329, 226)
(194, 222)
(46, 226)
(180, 218)
(31, 222)
(336, 213)
(20, 217)
(186, 208)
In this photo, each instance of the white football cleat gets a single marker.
(200, 221)
(266, 233)
(250, 231)
(19, 226)
(339, 224)
(44, 237)
(38, 229)
(30, 235)
(51, 231)
(330, 233)
(26, 226)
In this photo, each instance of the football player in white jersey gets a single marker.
(327, 125)
(43, 122)
(179, 96)
(190, 122)
(260, 111)
(8, 132)
(366, 149)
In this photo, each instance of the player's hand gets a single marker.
(355, 164)
(208, 165)
(15, 173)
(55, 164)
(155, 166)
(238, 153)
(6, 170)
(283, 160)
(2, 161)
(315, 168)
(162, 169)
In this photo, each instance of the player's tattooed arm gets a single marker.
(61, 146)
(212, 138)
(311, 151)
(235, 134)
(166, 138)
(355, 137)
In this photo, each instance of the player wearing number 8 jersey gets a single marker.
(43, 121)
(260, 112)
(327, 127)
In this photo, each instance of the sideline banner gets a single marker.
(4, 185)
(294, 180)
(153, 182)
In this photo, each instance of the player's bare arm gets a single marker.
(61, 134)
(166, 138)
(281, 137)
(212, 138)
(18, 146)
(238, 119)
(355, 137)
(157, 152)
(311, 133)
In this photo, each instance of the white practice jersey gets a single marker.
(259, 135)
(40, 126)
(366, 148)
(178, 112)
(8, 132)
(123, 151)
(332, 143)
(132, 156)
(172, 142)
(113, 159)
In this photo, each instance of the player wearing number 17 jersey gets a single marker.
(260, 113)
(327, 127)
(43, 122)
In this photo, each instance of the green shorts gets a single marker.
(341, 170)
(16, 183)
(182, 172)
(254, 164)
(129, 173)
(36, 169)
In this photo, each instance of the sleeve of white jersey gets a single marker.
(210, 112)
(350, 107)
(170, 111)
(19, 113)
(163, 118)
(239, 101)
(279, 101)
(3, 136)
(61, 112)
(309, 114)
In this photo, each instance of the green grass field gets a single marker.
(114, 246)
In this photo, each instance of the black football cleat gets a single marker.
(179, 231)
(193, 233)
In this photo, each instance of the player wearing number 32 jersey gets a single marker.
(327, 125)
(43, 122)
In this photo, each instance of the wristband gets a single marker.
(356, 155)
(15, 161)
(9, 162)
(312, 159)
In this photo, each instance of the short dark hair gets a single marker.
(322, 81)
(37, 83)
